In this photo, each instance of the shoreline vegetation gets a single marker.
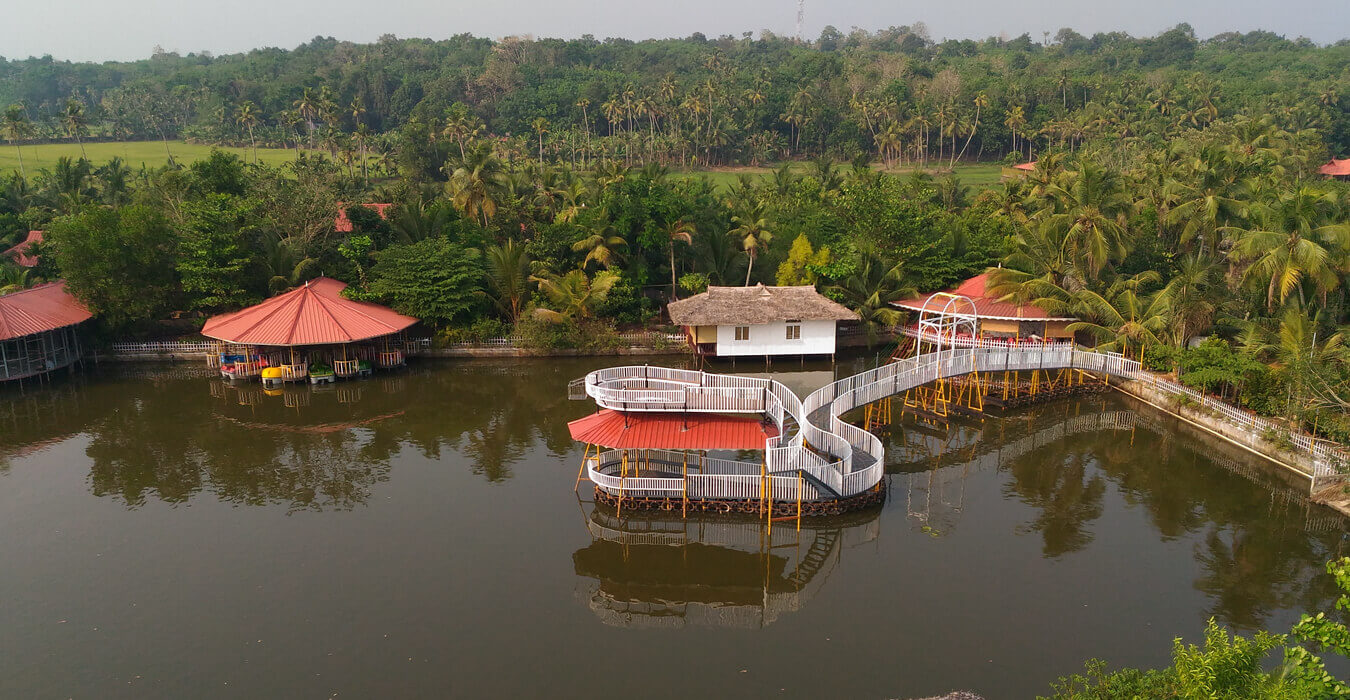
(556, 191)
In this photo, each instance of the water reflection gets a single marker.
(1062, 459)
(652, 569)
(176, 433)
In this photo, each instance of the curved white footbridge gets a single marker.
(817, 456)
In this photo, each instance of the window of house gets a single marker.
(742, 332)
(794, 331)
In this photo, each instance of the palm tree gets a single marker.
(1295, 241)
(307, 107)
(540, 126)
(1090, 206)
(573, 295)
(601, 245)
(76, 123)
(508, 267)
(14, 278)
(477, 183)
(981, 101)
(680, 230)
(871, 288)
(415, 221)
(751, 229)
(16, 128)
(247, 116)
(1190, 300)
(1120, 317)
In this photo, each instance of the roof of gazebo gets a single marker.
(986, 306)
(1336, 167)
(313, 314)
(671, 431)
(45, 307)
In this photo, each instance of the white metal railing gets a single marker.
(847, 458)
(169, 346)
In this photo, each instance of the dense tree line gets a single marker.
(894, 93)
(1187, 206)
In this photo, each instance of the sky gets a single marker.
(103, 30)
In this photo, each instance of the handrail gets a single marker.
(848, 459)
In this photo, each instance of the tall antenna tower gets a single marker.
(801, 17)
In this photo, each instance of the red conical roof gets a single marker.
(314, 314)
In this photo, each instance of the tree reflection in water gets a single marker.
(177, 434)
(1060, 458)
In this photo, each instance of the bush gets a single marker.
(483, 329)
(566, 335)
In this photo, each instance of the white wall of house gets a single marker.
(817, 338)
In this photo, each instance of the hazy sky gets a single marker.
(99, 30)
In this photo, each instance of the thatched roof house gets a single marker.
(760, 320)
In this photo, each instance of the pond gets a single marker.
(416, 535)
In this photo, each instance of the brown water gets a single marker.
(415, 535)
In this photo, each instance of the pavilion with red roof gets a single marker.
(23, 254)
(1337, 168)
(996, 318)
(313, 322)
(37, 331)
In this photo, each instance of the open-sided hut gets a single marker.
(37, 331)
(760, 320)
(311, 323)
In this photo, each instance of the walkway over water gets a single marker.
(819, 456)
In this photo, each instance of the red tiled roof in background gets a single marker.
(344, 225)
(985, 307)
(315, 314)
(1336, 168)
(669, 431)
(20, 254)
(1025, 166)
(45, 307)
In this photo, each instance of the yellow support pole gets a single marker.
(684, 488)
(799, 500)
(584, 454)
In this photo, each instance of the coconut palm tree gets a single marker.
(601, 245)
(870, 289)
(247, 116)
(679, 230)
(508, 269)
(477, 183)
(540, 126)
(76, 123)
(16, 128)
(751, 230)
(1297, 239)
(1191, 299)
(1121, 318)
(1090, 206)
(14, 278)
(573, 295)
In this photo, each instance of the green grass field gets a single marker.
(151, 153)
(134, 153)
